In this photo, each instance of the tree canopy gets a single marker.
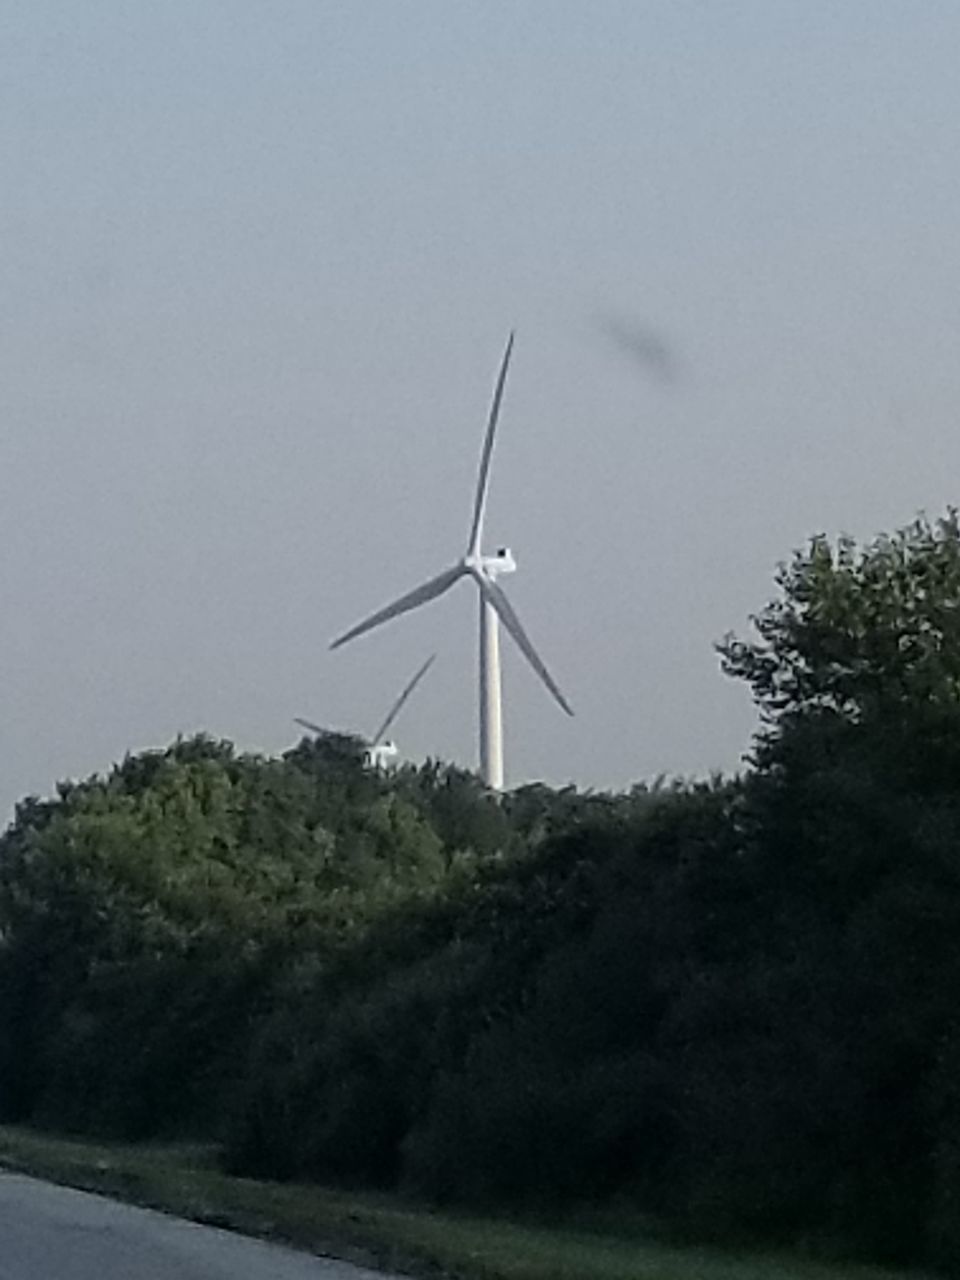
(730, 1003)
(859, 632)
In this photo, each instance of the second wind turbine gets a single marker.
(494, 608)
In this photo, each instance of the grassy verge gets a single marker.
(384, 1231)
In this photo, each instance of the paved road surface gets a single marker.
(54, 1233)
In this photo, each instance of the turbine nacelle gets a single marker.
(380, 754)
(490, 567)
(501, 561)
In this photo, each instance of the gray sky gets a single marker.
(257, 264)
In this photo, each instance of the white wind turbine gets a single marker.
(381, 748)
(494, 608)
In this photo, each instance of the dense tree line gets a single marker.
(731, 1004)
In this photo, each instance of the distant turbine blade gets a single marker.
(429, 591)
(398, 705)
(495, 595)
(308, 724)
(476, 532)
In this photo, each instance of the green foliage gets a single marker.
(146, 914)
(728, 1004)
(862, 638)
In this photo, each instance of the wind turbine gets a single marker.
(382, 749)
(494, 608)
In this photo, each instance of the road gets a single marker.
(55, 1233)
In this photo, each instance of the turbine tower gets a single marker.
(382, 749)
(494, 608)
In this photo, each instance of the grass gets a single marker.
(385, 1231)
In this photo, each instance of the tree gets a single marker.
(855, 630)
(853, 820)
(861, 638)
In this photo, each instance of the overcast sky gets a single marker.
(257, 265)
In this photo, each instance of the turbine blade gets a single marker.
(505, 611)
(398, 705)
(429, 591)
(308, 724)
(480, 502)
